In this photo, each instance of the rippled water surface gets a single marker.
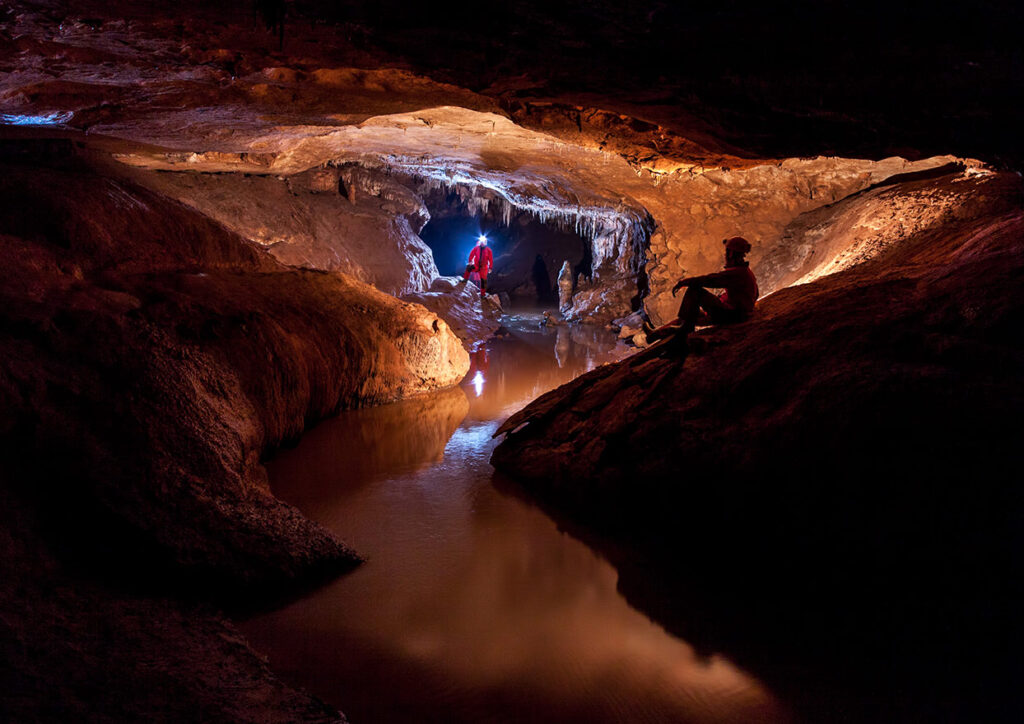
(473, 606)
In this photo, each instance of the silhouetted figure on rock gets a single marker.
(481, 259)
(699, 306)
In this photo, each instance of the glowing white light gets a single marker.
(482, 237)
(478, 382)
(45, 119)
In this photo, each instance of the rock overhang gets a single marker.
(655, 199)
(660, 223)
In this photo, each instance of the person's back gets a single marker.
(700, 306)
(741, 290)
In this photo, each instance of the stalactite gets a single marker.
(618, 233)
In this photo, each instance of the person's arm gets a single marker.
(716, 280)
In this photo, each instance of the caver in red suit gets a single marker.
(480, 262)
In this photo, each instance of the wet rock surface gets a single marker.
(150, 357)
(824, 490)
(470, 315)
(77, 647)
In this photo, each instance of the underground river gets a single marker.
(473, 606)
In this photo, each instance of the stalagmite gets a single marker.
(565, 287)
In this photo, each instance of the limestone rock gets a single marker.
(627, 327)
(883, 296)
(149, 358)
(565, 287)
(459, 304)
(849, 438)
(305, 222)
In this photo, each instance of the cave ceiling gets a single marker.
(616, 119)
(772, 80)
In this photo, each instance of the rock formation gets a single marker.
(472, 318)
(565, 287)
(284, 132)
(351, 220)
(850, 438)
(150, 358)
(152, 351)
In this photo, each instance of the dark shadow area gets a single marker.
(872, 79)
(868, 571)
(542, 281)
(98, 545)
(916, 621)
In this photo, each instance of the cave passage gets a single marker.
(528, 253)
(473, 599)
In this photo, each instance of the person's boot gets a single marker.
(654, 334)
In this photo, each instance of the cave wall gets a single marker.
(149, 359)
(186, 349)
(516, 239)
(351, 220)
(841, 460)
(363, 218)
(517, 271)
(866, 224)
(696, 211)
(211, 353)
(203, 96)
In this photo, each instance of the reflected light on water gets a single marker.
(473, 605)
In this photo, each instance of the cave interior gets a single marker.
(266, 460)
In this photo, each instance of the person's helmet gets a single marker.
(737, 243)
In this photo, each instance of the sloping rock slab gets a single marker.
(855, 437)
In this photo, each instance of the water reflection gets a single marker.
(473, 606)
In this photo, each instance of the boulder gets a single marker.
(471, 317)
(628, 326)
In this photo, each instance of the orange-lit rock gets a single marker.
(346, 220)
(654, 202)
(151, 355)
(239, 351)
(472, 317)
(150, 358)
(857, 436)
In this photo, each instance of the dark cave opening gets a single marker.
(528, 253)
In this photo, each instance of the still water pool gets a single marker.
(473, 606)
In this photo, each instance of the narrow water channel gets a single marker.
(473, 606)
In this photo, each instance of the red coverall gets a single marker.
(480, 262)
